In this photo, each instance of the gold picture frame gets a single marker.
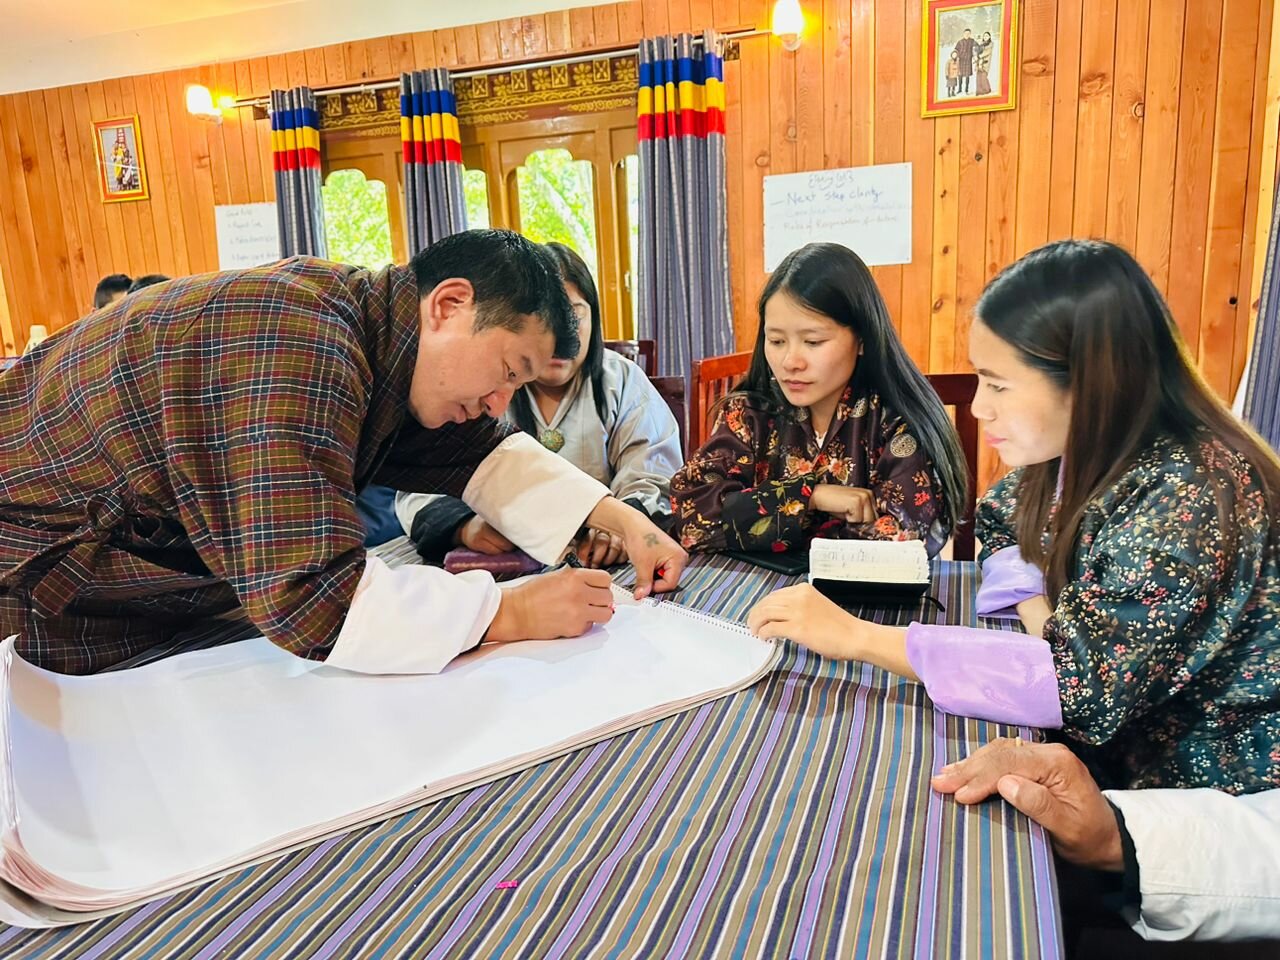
(122, 171)
(969, 56)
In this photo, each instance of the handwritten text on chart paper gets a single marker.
(248, 235)
(867, 209)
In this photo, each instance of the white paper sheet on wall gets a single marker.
(248, 235)
(121, 787)
(867, 209)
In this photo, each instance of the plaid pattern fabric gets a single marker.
(198, 447)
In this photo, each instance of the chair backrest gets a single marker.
(712, 378)
(642, 352)
(672, 390)
(957, 390)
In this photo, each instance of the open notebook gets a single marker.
(122, 787)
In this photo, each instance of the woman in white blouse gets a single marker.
(599, 411)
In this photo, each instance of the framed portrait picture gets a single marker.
(122, 174)
(969, 59)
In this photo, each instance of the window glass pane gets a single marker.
(356, 220)
(557, 202)
(476, 187)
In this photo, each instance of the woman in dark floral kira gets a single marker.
(833, 432)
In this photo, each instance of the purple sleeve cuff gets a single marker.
(987, 674)
(1007, 580)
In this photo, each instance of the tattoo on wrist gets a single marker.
(650, 539)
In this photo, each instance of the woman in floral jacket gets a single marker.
(833, 432)
(1138, 542)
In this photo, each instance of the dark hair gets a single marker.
(832, 280)
(512, 276)
(147, 280)
(572, 269)
(108, 287)
(1084, 313)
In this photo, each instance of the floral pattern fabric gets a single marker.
(1166, 641)
(749, 486)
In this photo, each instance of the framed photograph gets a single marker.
(122, 174)
(969, 57)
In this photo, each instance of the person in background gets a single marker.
(147, 280)
(1136, 538)
(596, 409)
(833, 432)
(110, 289)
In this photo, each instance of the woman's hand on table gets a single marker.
(802, 614)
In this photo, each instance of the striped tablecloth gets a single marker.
(793, 819)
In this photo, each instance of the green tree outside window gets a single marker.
(356, 222)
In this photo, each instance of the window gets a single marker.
(557, 202)
(565, 181)
(356, 221)
(475, 186)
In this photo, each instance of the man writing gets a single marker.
(198, 448)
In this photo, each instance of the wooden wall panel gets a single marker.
(1137, 120)
(885, 78)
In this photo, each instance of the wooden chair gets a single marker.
(712, 379)
(956, 390)
(672, 390)
(642, 352)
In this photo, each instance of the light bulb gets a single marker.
(200, 103)
(788, 23)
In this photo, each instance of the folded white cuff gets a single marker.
(413, 619)
(535, 498)
(1208, 862)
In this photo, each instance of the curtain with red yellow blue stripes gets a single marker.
(435, 206)
(295, 156)
(682, 297)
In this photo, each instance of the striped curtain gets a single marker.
(435, 206)
(1262, 375)
(295, 155)
(682, 298)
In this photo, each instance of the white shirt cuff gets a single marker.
(535, 498)
(1208, 862)
(413, 619)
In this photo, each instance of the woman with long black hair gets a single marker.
(833, 432)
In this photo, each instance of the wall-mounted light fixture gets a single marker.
(788, 23)
(200, 103)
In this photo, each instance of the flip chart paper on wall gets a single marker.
(248, 235)
(121, 787)
(867, 209)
